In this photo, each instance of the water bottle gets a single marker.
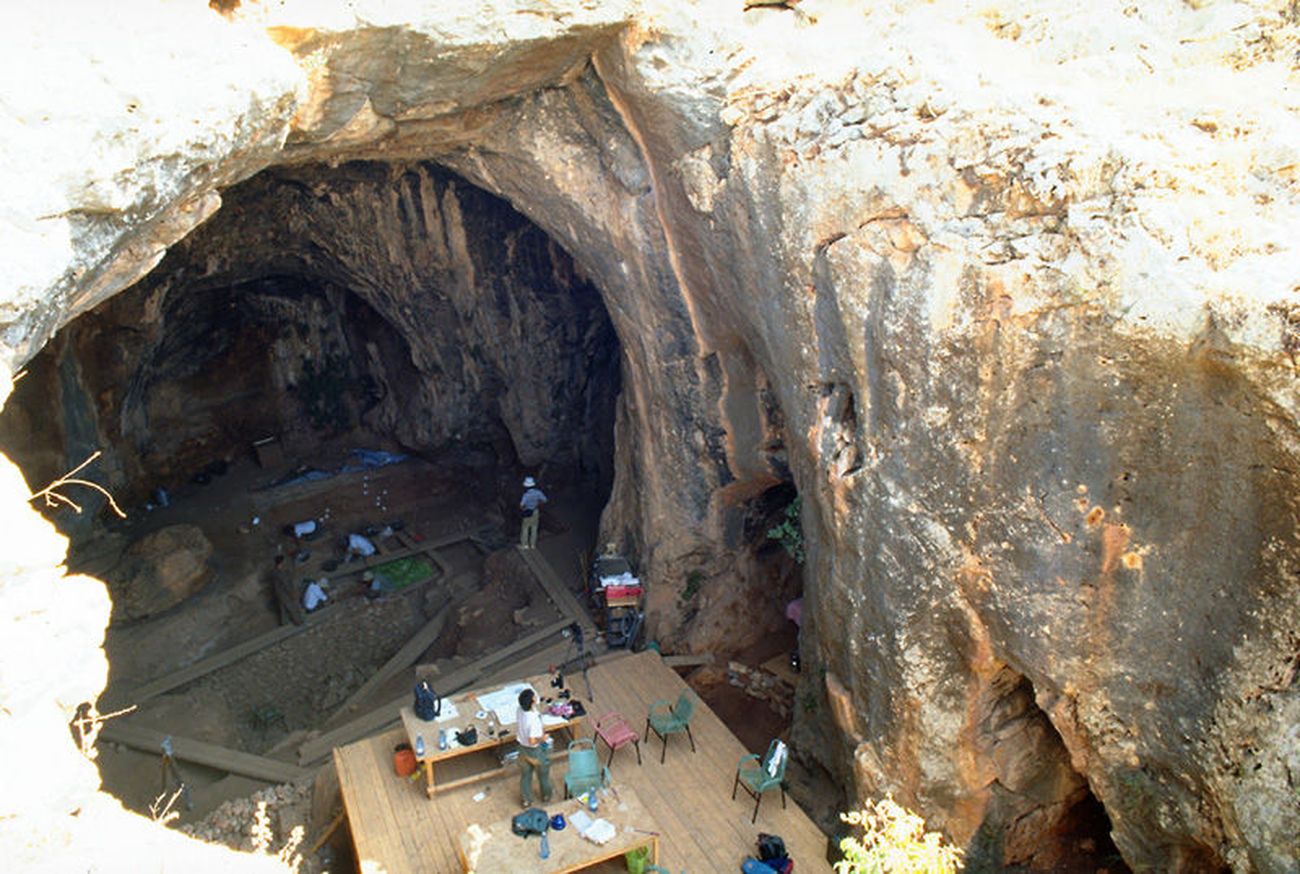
(419, 746)
(591, 800)
(442, 738)
(545, 851)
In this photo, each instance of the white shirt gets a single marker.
(314, 596)
(360, 545)
(528, 728)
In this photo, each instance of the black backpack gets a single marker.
(427, 703)
(771, 848)
(532, 821)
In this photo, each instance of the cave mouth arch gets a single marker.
(392, 307)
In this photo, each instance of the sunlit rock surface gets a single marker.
(1008, 294)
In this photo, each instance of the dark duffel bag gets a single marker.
(532, 821)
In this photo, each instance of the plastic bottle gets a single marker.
(419, 746)
(545, 851)
(591, 800)
(442, 739)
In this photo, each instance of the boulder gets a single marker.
(160, 570)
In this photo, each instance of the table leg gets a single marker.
(428, 776)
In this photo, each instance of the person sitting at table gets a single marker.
(534, 753)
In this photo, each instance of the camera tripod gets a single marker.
(575, 635)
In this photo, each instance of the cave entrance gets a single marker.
(370, 349)
(1047, 817)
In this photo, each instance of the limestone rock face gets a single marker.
(318, 300)
(1008, 295)
(160, 570)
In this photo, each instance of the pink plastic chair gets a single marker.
(613, 729)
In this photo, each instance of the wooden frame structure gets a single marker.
(396, 829)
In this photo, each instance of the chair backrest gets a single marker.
(684, 709)
(583, 761)
(767, 761)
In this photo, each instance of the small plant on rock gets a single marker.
(894, 841)
(694, 580)
(789, 533)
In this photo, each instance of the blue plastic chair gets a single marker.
(585, 771)
(666, 719)
(757, 776)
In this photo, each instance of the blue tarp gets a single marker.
(358, 459)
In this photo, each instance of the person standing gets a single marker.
(531, 506)
(534, 754)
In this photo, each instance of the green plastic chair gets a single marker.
(585, 772)
(666, 719)
(757, 777)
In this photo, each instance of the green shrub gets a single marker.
(894, 841)
(790, 533)
(694, 580)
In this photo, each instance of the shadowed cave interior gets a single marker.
(399, 310)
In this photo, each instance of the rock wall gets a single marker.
(1007, 294)
(320, 301)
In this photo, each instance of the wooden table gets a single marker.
(492, 847)
(467, 706)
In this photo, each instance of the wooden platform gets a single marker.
(396, 829)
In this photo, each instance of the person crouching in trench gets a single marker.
(534, 750)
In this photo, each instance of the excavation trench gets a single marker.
(378, 350)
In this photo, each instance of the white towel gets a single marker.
(778, 756)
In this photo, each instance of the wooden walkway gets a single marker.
(396, 829)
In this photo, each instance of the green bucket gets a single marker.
(636, 859)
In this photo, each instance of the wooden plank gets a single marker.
(203, 667)
(395, 829)
(202, 753)
(386, 714)
(560, 596)
(688, 661)
(417, 547)
(402, 659)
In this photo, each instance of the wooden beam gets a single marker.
(404, 658)
(688, 661)
(189, 750)
(386, 714)
(325, 835)
(371, 561)
(203, 667)
(556, 590)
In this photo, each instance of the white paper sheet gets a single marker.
(600, 831)
(504, 702)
